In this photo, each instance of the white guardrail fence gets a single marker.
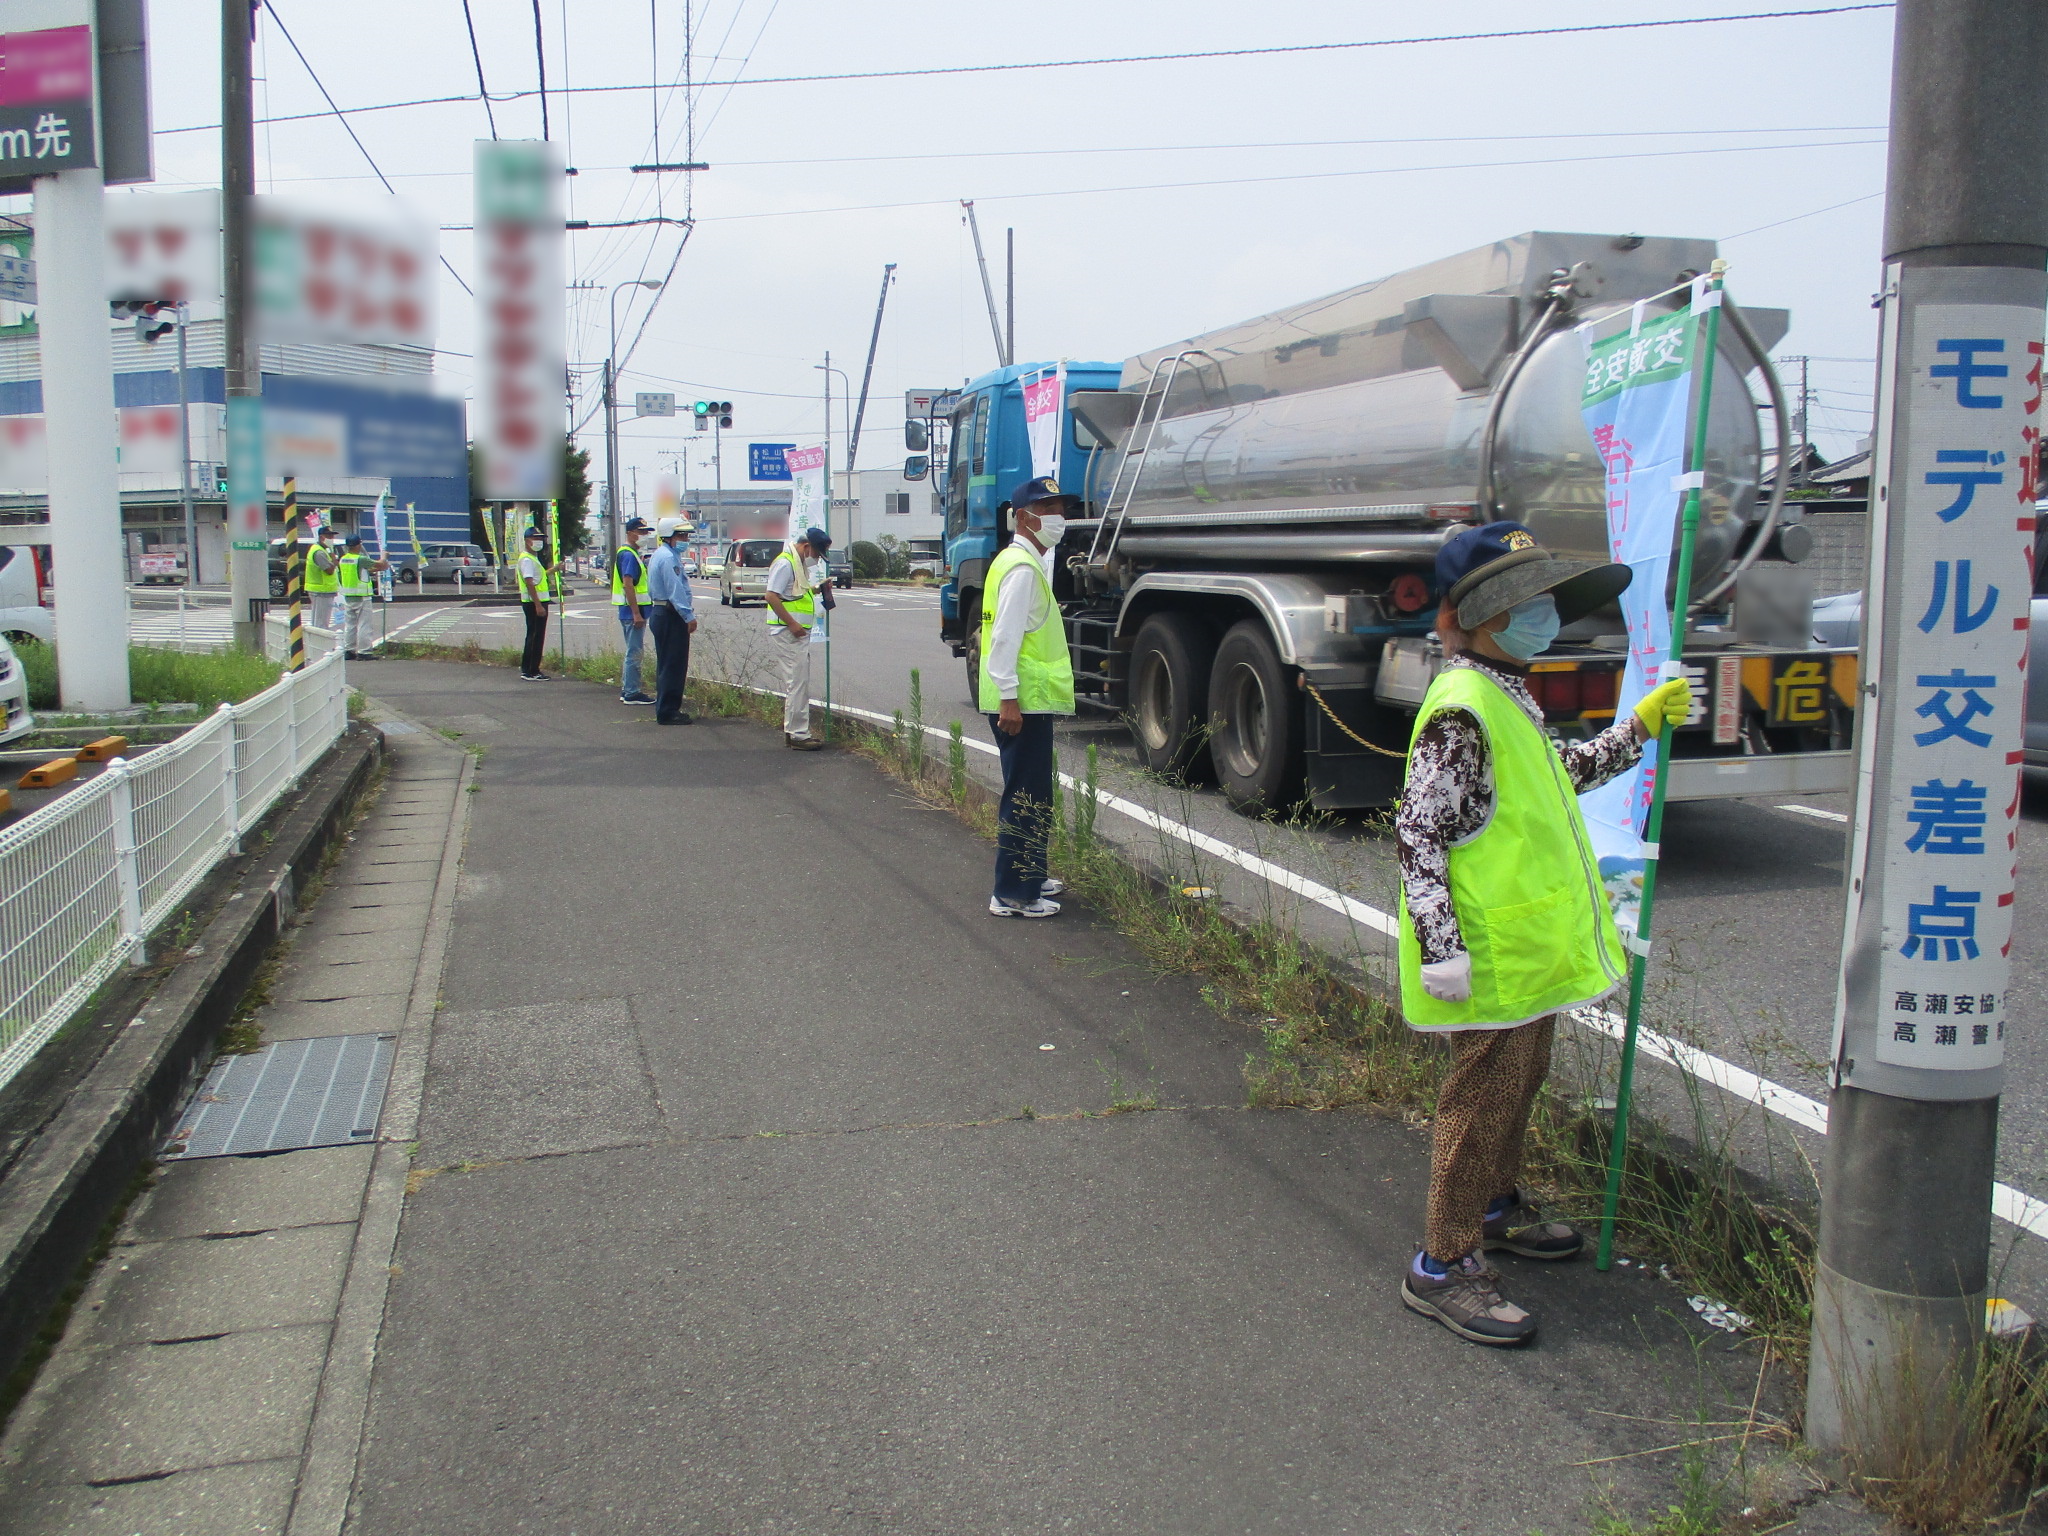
(84, 879)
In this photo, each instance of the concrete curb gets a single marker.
(70, 1179)
(334, 1443)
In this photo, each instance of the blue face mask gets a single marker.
(1530, 629)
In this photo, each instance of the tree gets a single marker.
(870, 561)
(575, 499)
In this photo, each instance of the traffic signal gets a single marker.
(153, 317)
(701, 416)
(724, 410)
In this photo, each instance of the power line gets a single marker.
(477, 54)
(348, 127)
(1813, 214)
(1136, 58)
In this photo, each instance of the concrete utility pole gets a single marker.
(247, 516)
(78, 407)
(1921, 1013)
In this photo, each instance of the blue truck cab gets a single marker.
(987, 459)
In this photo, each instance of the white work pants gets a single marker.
(355, 623)
(323, 609)
(794, 652)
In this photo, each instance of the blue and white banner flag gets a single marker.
(1635, 400)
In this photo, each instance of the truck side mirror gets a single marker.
(916, 436)
(916, 468)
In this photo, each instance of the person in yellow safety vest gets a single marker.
(1027, 683)
(1504, 919)
(352, 575)
(629, 602)
(322, 583)
(790, 593)
(535, 591)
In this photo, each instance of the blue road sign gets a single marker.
(764, 461)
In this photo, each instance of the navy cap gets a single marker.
(1489, 569)
(1044, 488)
(355, 538)
(633, 523)
(818, 539)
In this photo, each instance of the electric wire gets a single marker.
(1812, 214)
(476, 53)
(348, 127)
(1148, 58)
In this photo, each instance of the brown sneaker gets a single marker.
(1466, 1300)
(1520, 1228)
(803, 743)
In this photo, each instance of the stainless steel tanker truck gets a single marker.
(1252, 585)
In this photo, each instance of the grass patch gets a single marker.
(206, 679)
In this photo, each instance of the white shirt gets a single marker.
(1023, 602)
(535, 575)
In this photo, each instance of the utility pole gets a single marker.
(184, 313)
(614, 525)
(1899, 1289)
(248, 521)
(874, 337)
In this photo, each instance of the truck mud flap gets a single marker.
(1342, 774)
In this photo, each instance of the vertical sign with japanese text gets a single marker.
(1635, 399)
(247, 499)
(521, 330)
(1928, 953)
(806, 468)
(46, 104)
(1043, 396)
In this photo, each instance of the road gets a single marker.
(1749, 892)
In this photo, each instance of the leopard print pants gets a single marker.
(1482, 1115)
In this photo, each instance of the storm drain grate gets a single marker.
(293, 1093)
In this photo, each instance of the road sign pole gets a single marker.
(1900, 1285)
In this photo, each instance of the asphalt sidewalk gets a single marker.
(754, 1180)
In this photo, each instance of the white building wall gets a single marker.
(890, 504)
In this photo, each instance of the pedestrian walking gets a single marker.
(1027, 683)
(533, 575)
(353, 574)
(323, 581)
(791, 594)
(674, 620)
(1504, 921)
(629, 602)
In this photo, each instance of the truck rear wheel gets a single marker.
(1254, 722)
(970, 641)
(1169, 694)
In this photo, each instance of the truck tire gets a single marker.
(970, 642)
(1169, 695)
(1255, 727)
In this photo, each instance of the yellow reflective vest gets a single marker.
(800, 600)
(639, 582)
(354, 580)
(1526, 888)
(1045, 670)
(318, 580)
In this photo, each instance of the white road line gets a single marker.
(409, 624)
(2007, 1203)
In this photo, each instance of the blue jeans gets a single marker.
(635, 636)
(1024, 817)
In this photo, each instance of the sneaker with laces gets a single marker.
(997, 907)
(1520, 1228)
(1466, 1299)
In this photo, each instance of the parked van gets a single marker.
(745, 577)
(15, 719)
(25, 593)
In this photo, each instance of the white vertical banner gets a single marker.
(520, 344)
(807, 503)
(1044, 395)
(1933, 865)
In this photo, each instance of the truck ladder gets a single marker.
(1116, 508)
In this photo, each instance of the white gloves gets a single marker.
(1449, 981)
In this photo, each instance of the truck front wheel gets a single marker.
(1255, 725)
(1169, 711)
(970, 640)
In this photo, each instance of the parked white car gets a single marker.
(22, 612)
(15, 719)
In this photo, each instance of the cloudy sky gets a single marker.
(1150, 200)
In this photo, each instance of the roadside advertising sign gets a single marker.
(322, 278)
(521, 341)
(165, 246)
(246, 497)
(1635, 399)
(46, 104)
(1923, 1002)
(1043, 396)
(765, 461)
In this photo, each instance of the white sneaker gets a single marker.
(997, 907)
(1053, 887)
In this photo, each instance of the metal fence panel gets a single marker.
(85, 878)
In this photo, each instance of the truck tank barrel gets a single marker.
(1381, 396)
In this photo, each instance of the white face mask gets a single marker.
(646, 543)
(1051, 528)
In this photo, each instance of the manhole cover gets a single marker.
(326, 1092)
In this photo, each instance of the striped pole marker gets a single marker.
(294, 578)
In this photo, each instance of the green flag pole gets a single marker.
(1639, 959)
(561, 597)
